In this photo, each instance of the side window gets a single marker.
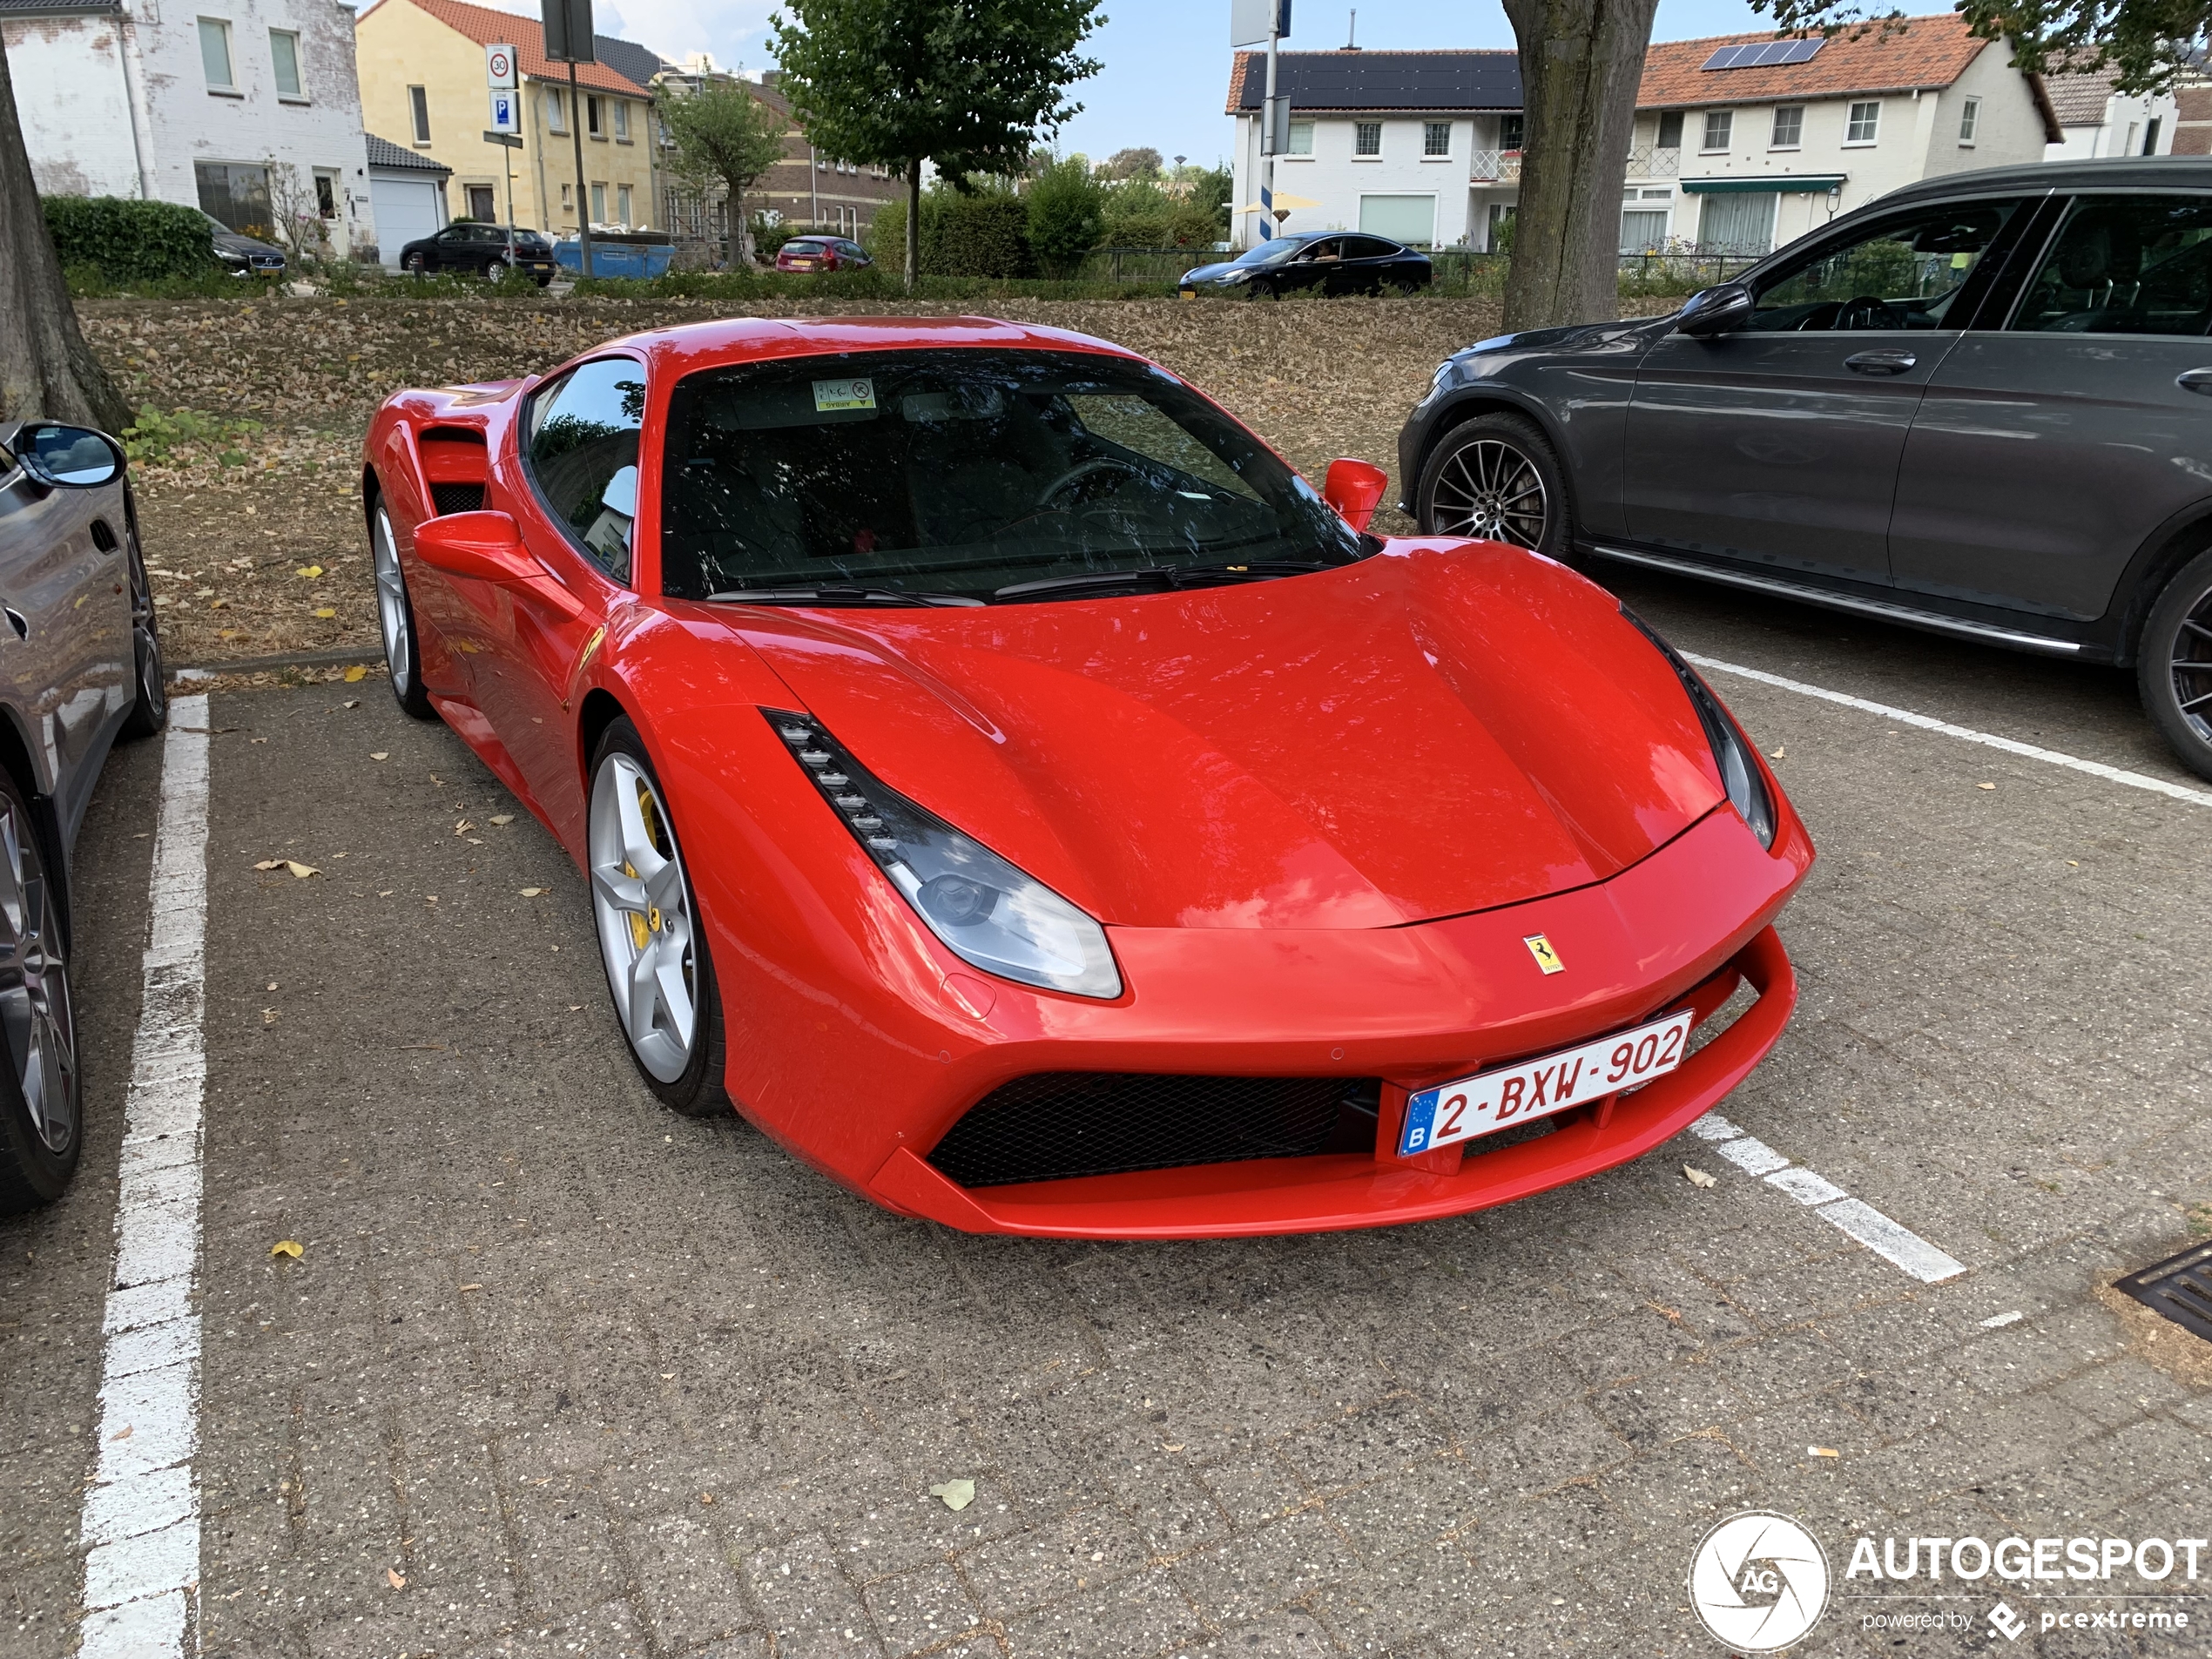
(1902, 273)
(1328, 250)
(2126, 265)
(582, 440)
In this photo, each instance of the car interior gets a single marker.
(1904, 273)
(2133, 266)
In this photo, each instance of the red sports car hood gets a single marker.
(1441, 728)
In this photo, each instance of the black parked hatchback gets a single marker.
(1315, 261)
(1981, 406)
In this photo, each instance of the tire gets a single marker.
(417, 264)
(2174, 665)
(681, 1055)
(544, 281)
(150, 706)
(1494, 478)
(395, 615)
(1258, 289)
(42, 1119)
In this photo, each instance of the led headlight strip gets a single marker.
(986, 912)
(1740, 773)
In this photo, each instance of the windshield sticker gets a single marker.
(831, 395)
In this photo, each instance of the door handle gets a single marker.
(1880, 362)
(2195, 379)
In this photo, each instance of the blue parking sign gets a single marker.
(505, 117)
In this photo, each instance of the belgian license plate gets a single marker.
(1557, 1083)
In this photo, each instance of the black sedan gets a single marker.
(83, 660)
(1978, 407)
(242, 256)
(481, 250)
(1325, 262)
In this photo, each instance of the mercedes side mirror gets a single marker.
(1719, 310)
(69, 457)
(486, 546)
(1355, 490)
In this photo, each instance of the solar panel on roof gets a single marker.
(1762, 54)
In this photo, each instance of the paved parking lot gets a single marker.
(556, 1372)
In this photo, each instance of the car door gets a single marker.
(1780, 443)
(572, 481)
(1367, 262)
(1314, 266)
(2052, 444)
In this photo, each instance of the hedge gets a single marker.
(983, 235)
(123, 239)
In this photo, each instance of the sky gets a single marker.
(1164, 72)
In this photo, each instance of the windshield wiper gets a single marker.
(1161, 578)
(837, 596)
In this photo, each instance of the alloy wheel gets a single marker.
(643, 913)
(2192, 667)
(1489, 489)
(34, 1008)
(393, 616)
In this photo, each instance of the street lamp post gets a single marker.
(568, 40)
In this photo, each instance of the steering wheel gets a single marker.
(1866, 311)
(1083, 469)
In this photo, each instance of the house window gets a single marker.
(556, 112)
(594, 118)
(284, 52)
(622, 203)
(1367, 138)
(2150, 137)
(1720, 128)
(1864, 118)
(598, 204)
(622, 120)
(215, 55)
(1788, 127)
(237, 195)
(567, 199)
(1509, 129)
(418, 106)
(1301, 139)
(1969, 119)
(1644, 230)
(1670, 129)
(1436, 138)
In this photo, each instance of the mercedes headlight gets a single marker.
(986, 912)
(1740, 773)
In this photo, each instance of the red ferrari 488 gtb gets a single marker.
(1015, 789)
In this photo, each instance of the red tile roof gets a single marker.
(1925, 52)
(485, 25)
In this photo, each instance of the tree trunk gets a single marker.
(1579, 63)
(914, 223)
(740, 242)
(46, 369)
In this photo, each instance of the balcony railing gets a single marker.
(1649, 161)
(1494, 167)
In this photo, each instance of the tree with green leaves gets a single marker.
(2146, 44)
(723, 135)
(970, 85)
(1066, 215)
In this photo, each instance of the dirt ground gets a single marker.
(251, 515)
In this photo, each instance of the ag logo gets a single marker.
(1759, 1581)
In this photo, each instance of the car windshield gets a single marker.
(1273, 252)
(965, 471)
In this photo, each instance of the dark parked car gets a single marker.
(1981, 406)
(242, 256)
(822, 253)
(80, 664)
(481, 250)
(1325, 261)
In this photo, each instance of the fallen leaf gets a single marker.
(352, 702)
(272, 985)
(706, 1497)
(1782, 754)
(300, 871)
(464, 826)
(125, 1432)
(382, 754)
(532, 893)
(1697, 1177)
(286, 1247)
(472, 1287)
(502, 818)
(270, 864)
(325, 611)
(957, 1494)
(308, 571)
(1985, 785)
(1822, 1451)
(268, 1016)
(392, 1575)
(354, 676)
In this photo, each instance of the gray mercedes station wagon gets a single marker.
(1981, 406)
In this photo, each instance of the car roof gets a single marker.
(738, 339)
(2129, 172)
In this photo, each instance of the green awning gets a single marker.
(1793, 184)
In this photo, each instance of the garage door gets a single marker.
(406, 210)
(1402, 218)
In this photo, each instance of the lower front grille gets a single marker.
(1059, 1124)
(456, 498)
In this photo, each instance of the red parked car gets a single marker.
(1030, 802)
(821, 253)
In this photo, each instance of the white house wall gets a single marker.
(2126, 120)
(1335, 177)
(73, 103)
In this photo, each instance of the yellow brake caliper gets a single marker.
(643, 927)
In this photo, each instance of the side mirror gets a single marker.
(69, 457)
(1719, 310)
(486, 546)
(1355, 490)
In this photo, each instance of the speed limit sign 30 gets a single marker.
(499, 67)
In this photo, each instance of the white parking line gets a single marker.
(141, 1521)
(1900, 1245)
(1927, 723)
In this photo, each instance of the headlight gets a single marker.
(1732, 750)
(230, 256)
(1238, 275)
(986, 911)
